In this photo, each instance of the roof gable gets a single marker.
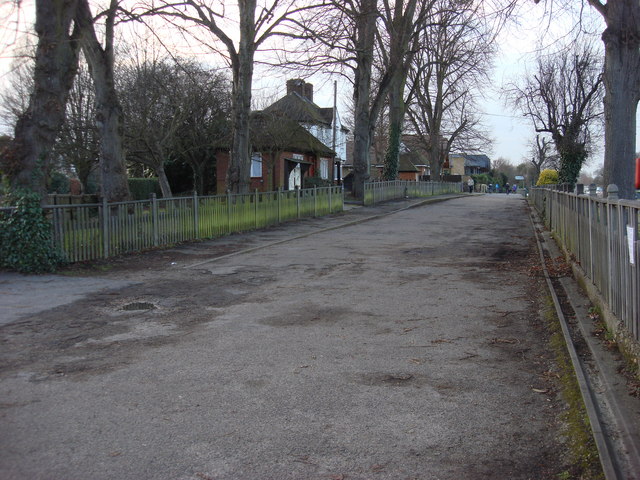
(300, 109)
(274, 132)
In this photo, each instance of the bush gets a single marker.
(142, 188)
(25, 237)
(547, 177)
(59, 183)
(315, 181)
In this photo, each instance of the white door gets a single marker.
(295, 177)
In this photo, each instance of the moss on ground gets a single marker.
(584, 459)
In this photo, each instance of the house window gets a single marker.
(256, 165)
(324, 168)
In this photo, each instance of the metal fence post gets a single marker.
(279, 207)
(315, 200)
(298, 201)
(105, 227)
(330, 207)
(228, 211)
(154, 219)
(196, 222)
(255, 200)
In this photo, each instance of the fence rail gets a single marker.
(375, 192)
(603, 236)
(101, 230)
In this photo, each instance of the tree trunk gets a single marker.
(622, 93)
(115, 187)
(401, 59)
(366, 27)
(239, 171)
(165, 188)
(434, 155)
(396, 120)
(56, 63)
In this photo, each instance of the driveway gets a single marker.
(408, 346)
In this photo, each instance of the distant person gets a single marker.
(506, 186)
(497, 188)
(514, 188)
(470, 184)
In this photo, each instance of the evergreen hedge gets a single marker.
(26, 237)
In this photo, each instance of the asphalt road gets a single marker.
(405, 347)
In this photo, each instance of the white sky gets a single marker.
(510, 130)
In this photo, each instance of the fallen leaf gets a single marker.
(540, 390)
(503, 340)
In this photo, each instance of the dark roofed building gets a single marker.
(469, 164)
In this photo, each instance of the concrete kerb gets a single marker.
(419, 203)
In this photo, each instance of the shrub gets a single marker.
(315, 181)
(142, 188)
(59, 183)
(547, 177)
(25, 237)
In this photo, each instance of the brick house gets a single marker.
(284, 155)
(290, 140)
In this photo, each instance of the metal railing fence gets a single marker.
(602, 234)
(375, 192)
(101, 230)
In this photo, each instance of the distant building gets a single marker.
(292, 139)
(298, 105)
(466, 164)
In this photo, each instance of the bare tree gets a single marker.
(453, 60)
(622, 89)
(242, 33)
(175, 110)
(542, 155)
(78, 144)
(563, 98)
(152, 115)
(114, 186)
(403, 21)
(205, 108)
(27, 160)
(76, 147)
(14, 99)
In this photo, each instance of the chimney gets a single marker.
(301, 87)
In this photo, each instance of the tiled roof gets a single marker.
(269, 131)
(300, 109)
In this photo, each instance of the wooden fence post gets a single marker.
(298, 201)
(612, 196)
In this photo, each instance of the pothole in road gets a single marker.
(398, 379)
(137, 306)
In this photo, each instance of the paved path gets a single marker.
(408, 346)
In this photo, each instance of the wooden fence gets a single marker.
(375, 192)
(603, 236)
(101, 230)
